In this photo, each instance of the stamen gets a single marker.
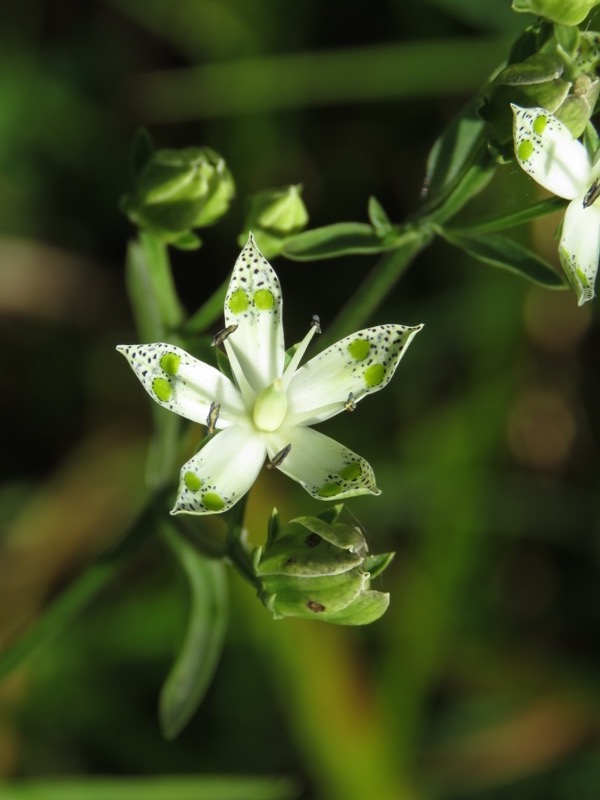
(350, 405)
(279, 457)
(220, 337)
(213, 416)
(315, 327)
(592, 194)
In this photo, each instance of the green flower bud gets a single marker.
(177, 190)
(318, 568)
(565, 12)
(578, 107)
(273, 215)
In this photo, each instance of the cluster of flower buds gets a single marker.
(564, 13)
(176, 191)
(319, 568)
(552, 66)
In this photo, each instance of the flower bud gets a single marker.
(177, 190)
(318, 568)
(273, 215)
(566, 13)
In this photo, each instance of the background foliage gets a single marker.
(482, 679)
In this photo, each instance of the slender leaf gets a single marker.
(499, 251)
(154, 788)
(471, 182)
(332, 241)
(201, 647)
(142, 148)
(511, 219)
(453, 154)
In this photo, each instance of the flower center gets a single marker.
(270, 407)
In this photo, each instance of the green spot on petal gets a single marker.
(359, 349)
(374, 375)
(192, 481)
(329, 490)
(238, 302)
(540, 123)
(351, 471)
(264, 300)
(170, 363)
(525, 150)
(212, 501)
(162, 389)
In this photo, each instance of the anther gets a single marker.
(592, 194)
(316, 323)
(350, 405)
(220, 337)
(279, 457)
(213, 416)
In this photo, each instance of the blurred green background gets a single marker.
(482, 680)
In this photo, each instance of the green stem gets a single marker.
(376, 286)
(209, 312)
(237, 551)
(155, 252)
(73, 600)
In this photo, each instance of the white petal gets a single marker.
(220, 473)
(253, 303)
(346, 372)
(325, 468)
(181, 383)
(579, 248)
(546, 150)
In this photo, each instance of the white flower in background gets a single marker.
(268, 408)
(546, 150)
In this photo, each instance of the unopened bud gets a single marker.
(178, 190)
(318, 568)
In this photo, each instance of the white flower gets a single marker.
(267, 411)
(546, 150)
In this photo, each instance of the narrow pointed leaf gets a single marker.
(332, 241)
(511, 219)
(202, 643)
(499, 251)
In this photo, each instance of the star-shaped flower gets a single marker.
(267, 408)
(546, 150)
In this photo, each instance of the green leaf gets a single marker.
(538, 68)
(511, 219)
(375, 565)
(142, 148)
(567, 38)
(499, 251)
(378, 218)
(591, 140)
(453, 154)
(187, 241)
(332, 241)
(473, 181)
(201, 647)
(152, 788)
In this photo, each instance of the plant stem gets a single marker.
(377, 286)
(210, 311)
(155, 252)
